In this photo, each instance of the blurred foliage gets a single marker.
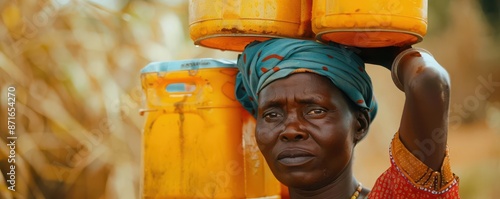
(75, 66)
(491, 9)
(439, 16)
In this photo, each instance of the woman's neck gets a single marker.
(341, 188)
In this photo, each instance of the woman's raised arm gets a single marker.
(423, 129)
(426, 84)
(424, 124)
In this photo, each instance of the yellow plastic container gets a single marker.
(193, 144)
(232, 24)
(370, 23)
(259, 180)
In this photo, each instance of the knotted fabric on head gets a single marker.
(264, 62)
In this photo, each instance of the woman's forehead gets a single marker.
(305, 80)
(300, 85)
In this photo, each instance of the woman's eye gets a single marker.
(271, 115)
(316, 112)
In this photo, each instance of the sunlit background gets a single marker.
(75, 67)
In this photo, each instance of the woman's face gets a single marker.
(305, 130)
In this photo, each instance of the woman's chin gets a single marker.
(301, 180)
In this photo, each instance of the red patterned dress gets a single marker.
(408, 177)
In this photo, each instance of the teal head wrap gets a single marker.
(263, 62)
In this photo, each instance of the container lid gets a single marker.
(190, 64)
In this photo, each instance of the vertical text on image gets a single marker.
(11, 137)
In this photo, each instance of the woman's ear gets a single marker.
(363, 123)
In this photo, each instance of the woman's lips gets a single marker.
(294, 157)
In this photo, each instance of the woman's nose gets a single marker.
(293, 132)
(293, 135)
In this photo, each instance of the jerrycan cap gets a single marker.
(189, 65)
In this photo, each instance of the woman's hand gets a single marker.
(383, 56)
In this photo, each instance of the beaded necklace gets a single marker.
(357, 192)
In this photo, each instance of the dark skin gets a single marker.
(307, 132)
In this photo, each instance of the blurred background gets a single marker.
(75, 67)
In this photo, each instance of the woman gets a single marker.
(314, 102)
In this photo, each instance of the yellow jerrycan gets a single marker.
(232, 24)
(370, 23)
(197, 139)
